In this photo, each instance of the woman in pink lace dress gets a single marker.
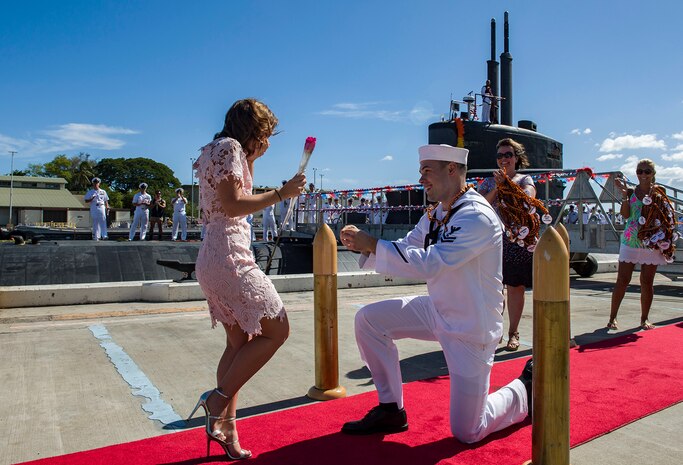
(239, 294)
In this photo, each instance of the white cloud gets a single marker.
(646, 141)
(387, 158)
(678, 136)
(587, 131)
(629, 166)
(8, 143)
(609, 156)
(68, 137)
(576, 131)
(676, 156)
(419, 114)
(98, 136)
(361, 111)
(669, 175)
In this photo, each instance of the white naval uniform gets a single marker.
(284, 206)
(179, 219)
(463, 312)
(141, 216)
(268, 223)
(98, 212)
(485, 106)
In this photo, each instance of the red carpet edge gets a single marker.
(612, 383)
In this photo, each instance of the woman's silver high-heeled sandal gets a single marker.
(216, 436)
(200, 403)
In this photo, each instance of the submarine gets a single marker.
(465, 129)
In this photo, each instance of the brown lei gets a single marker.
(660, 223)
(519, 210)
(431, 208)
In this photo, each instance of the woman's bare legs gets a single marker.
(243, 357)
(515, 299)
(235, 339)
(624, 274)
(647, 291)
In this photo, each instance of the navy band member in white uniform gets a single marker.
(141, 201)
(99, 206)
(457, 249)
(179, 215)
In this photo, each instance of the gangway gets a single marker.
(587, 238)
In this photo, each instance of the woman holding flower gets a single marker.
(239, 294)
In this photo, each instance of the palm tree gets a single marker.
(82, 172)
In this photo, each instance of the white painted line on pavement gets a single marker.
(138, 381)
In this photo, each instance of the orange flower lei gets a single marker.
(519, 213)
(658, 227)
(431, 208)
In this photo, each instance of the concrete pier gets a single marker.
(58, 379)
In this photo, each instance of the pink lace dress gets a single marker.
(236, 290)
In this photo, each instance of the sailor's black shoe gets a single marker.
(525, 378)
(380, 419)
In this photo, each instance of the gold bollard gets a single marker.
(325, 314)
(550, 426)
(563, 233)
(565, 237)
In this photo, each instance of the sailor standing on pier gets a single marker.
(179, 215)
(268, 223)
(457, 248)
(141, 201)
(99, 206)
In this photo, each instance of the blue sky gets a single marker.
(155, 78)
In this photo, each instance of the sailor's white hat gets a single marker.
(443, 152)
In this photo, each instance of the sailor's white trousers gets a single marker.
(474, 412)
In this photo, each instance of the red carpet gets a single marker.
(613, 383)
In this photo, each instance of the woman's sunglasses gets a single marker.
(645, 171)
(505, 155)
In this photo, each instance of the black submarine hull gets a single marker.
(481, 139)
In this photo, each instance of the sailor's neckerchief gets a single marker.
(432, 236)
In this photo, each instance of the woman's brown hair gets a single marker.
(522, 159)
(248, 120)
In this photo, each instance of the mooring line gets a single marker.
(138, 381)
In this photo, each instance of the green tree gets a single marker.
(115, 198)
(78, 170)
(59, 167)
(35, 169)
(82, 173)
(125, 174)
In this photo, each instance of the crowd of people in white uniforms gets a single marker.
(98, 200)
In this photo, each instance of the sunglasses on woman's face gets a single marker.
(645, 171)
(500, 155)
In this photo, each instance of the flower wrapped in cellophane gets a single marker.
(309, 146)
